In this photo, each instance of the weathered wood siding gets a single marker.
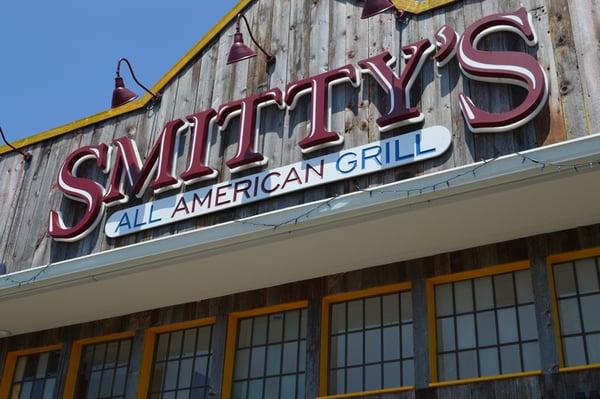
(309, 37)
(551, 384)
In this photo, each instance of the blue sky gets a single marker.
(59, 57)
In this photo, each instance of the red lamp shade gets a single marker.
(121, 94)
(374, 7)
(239, 51)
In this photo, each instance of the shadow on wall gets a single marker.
(2, 269)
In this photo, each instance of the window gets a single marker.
(31, 374)
(367, 341)
(484, 326)
(577, 288)
(267, 353)
(182, 363)
(99, 367)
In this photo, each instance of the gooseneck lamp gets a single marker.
(122, 95)
(375, 7)
(239, 50)
(26, 155)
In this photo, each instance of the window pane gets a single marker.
(372, 312)
(240, 390)
(272, 387)
(259, 331)
(42, 364)
(531, 356)
(290, 357)
(303, 323)
(510, 359)
(355, 379)
(590, 310)
(242, 360)
(564, 279)
(257, 362)
(245, 333)
(302, 356)
(443, 300)
(488, 359)
(373, 346)
(338, 318)
(20, 368)
(204, 341)
(587, 276)
(189, 343)
(574, 351)
(171, 375)
(467, 364)
(255, 389)
(408, 372)
(486, 329)
(390, 309)
(391, 375)
(406, 305)
(463, 296)
(447, 367)
(569, 316)
(527, 322)
(372, 377)
(355, 315)
(407, 341)
(337, 351)
(124, 351)
(201, 372)
(593, 345)
(49, 388)
(112, 351)
(161, 347)
(507, 325)
(445, 334)
(292, 325)
(274, 360)
(175, 345)
(391, 343)
(337, 382)
(301, 383)
(484, 293)
(524, 286)
(505, 294)
(275, 328)
(288, 386)
(465, 326)
(355, 348)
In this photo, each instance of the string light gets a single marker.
(406, 192)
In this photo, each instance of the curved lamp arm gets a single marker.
(156, 97)
(270, 57)
(26, 155)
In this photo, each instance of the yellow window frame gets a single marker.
(150, 342)
(75, 358)
(326, 306)
(11, 362)
(550, 262)
(455, 277)
(232, 327)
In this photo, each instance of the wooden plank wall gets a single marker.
(309, 37)
(551, 384)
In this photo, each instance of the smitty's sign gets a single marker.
(121, 161)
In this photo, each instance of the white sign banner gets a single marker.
(406, 149)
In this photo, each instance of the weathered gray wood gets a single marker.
(538, 253)
(420, 333)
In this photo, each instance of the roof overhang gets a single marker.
(473, 205)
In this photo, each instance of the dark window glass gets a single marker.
(578, 294)
(35, 376)
(270, 357)
(486, 326)
(182, 362)
(103, 370)
(371, 344)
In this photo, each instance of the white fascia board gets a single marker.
(315, 215)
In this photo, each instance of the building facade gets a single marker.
(396, 207)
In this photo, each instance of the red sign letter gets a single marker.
(249, 111)
(80, 189)
(320, 88)
(503, 67)
(197, 169)
(398, 88)
(160, 161)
